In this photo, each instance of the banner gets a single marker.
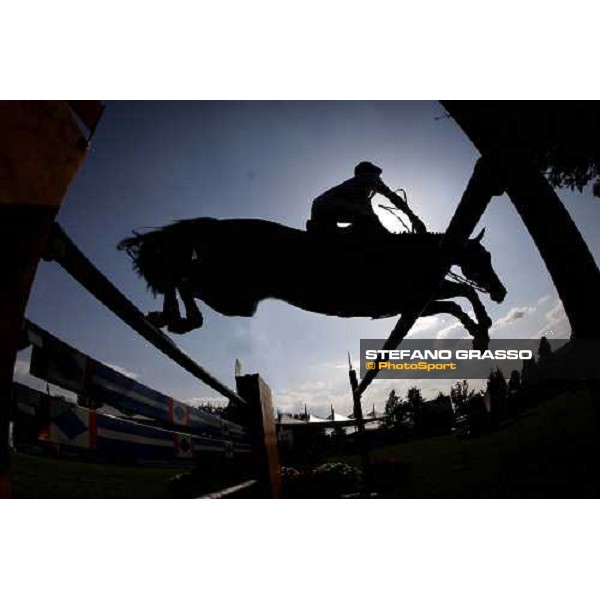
(68, 425)
(56, 362)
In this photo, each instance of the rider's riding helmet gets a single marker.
(367, 168)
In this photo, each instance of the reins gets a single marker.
(460, 279)
(454, 276)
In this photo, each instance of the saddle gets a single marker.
(358, 226)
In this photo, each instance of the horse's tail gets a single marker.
(150, 255)
(132, 245)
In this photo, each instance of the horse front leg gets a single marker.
(193, 317)
(192, 313)
(437, 307)
(451, 289)
(170, 313)
(480, 328)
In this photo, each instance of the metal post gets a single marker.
(263, 437)
(357, 407)
(41, 149)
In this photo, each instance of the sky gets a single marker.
(155, 162)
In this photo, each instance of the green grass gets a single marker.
(548, 453)
(46, 477)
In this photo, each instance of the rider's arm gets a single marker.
(396, 200)
(400, 203)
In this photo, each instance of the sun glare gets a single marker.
(392, 219)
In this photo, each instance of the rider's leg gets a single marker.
(331, 210)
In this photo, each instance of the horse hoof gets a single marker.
(157, 318)
(185, 325)
(481, 341)
(196, 321)
(179, 326)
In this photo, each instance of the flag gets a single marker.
(74, 427)
(183, 445)
(178, 413)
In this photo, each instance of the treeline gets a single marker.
(469, 412)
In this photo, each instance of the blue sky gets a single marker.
(155, 162)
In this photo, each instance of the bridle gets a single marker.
(454, 276)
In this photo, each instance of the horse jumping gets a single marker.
(233, 264)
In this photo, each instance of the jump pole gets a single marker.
(41, 149)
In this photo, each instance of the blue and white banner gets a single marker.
(59, 363)
(91, 431)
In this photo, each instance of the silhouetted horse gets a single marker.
(233, 264)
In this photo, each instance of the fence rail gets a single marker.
(254, 397)
(61, 249)
(40, 167)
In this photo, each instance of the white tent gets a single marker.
(338, 417)
(313, 419)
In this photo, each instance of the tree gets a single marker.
(391, 409)
(559, 138)
(528, 371)
(460, 394)
(496, 385)
(544, 352)
(414, 396)
(526, 140)
(514, 383)
(338, 435)
(414, 401)
(497, 390)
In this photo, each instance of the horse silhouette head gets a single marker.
(476, 265)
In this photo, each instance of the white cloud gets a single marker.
(318, 395)
(513, 315)
(556, 323)
(556, 313)
(336, 365)
(447, 332)
(202, 400)
(425, 324)
(123, 371)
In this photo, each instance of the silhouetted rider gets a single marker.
(350, 201)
